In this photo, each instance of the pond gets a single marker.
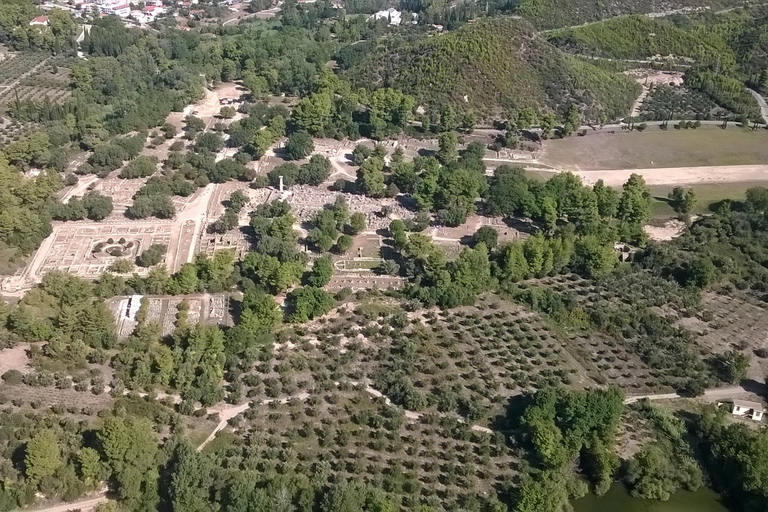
(618, 499)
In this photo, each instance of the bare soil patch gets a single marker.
(15, 359)
(706, 146)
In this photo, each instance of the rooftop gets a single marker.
(757, 407)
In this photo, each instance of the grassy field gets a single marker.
(708, 196)
(655, 148)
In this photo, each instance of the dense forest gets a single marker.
(496, 65)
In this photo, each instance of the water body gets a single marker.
(618, 499)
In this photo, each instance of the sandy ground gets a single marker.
(666, 232)
(15, 359)
(680, 175)
(83, 505)
(80, 188)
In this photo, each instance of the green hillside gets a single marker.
(495, 65)
(549, 14)
(640, 37)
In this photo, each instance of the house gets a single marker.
(123, 10)
(752, 410)
(39, 21)
(117, 7)
(392, 15)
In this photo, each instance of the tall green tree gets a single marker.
(43, 456)
(634, 208)
(370, 177)
(448, 152)
(129, 446)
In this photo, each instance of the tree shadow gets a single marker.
(521, 225)
(348, 187)
(248, 234)
(424, 152)
(513, 411)
(17, 458)
(467, 240)
(235, 309)
(753, 386)
(407, 202)
(733, 205)
(530, 136)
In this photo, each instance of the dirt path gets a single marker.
(680, 175)
(227, 412)
(80, 188)
(763, 105)
(728, 392)
(25, 75)
(85, 505)
(413, 415)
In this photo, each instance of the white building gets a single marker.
(147, 14)
(752, 410)
(117, 7)
(394, 16)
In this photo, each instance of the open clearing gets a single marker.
(708, 145)
(712, 174)
(15, 359)
(709, 196)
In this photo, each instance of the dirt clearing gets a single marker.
(15, 359)
(680, 175)
(654, 148)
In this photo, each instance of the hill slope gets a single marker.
(494, 65)
(640, 37)
(549, 14)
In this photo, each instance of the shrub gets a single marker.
(12, 377)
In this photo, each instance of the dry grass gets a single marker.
(654, 148)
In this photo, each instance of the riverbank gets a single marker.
(618, 499)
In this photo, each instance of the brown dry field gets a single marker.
(657, 149)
